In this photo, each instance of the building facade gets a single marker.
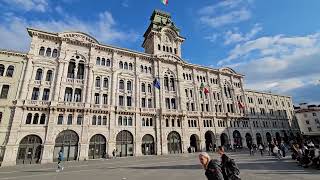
(89, 99)
(308, 117)
(11, 71)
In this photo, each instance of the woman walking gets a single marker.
(211, 166)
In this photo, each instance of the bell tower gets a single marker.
(162, 36)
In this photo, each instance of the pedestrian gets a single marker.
(250, 148)
(283, 149)
(114, 153)
(276, 152)
(261, 149)
(210, 148)
(229, 168)
(60, 159)
(211, 166)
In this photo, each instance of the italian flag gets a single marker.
(165, 2)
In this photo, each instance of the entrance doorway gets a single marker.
(224, 139)
(97, 147)
(29, 151)
(124, 144)
(67, 141)
(259, 138)
(248, 139)
(174, 143)
(210, 140)
(147, 146)
(195, 142)
(237, 139)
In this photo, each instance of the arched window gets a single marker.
(69, 122)
(55, 53)
(121, 84)
(98, 81)
(108, 62)
(2, 69)
(103, 62)
(159, 47)
(48, 52)
(99, 120)
(71, 67)
(184, 76)
(121, 65)
(167, 49)
(79, 119)
(170, 49)
(143, 87)
(60, 119)
(190, 76)
(49, 75)
(149, 70)
(130, 121)
(105, 82)
(125, 121)
(149, 88)
(130, 66)
(151, 121)
(10, 71)
(172, 87)
(94, 120)
(39, 74)
(98, 61)
(141, 68)
(43, 119)
(120, 121)
(80, 73)
(129, 85)
(35, 119)
(104, 120)
(125, 65)
(145, 69)
(29, 118)
(166, 82)
(41, 51)
(163, 48)
(143, 122)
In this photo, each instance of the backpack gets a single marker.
(232, 170)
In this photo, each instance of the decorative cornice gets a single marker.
(13, 53)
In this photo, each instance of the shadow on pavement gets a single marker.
(191, 166)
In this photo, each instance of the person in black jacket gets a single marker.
(229, 168)
(211, 167)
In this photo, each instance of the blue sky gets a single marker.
(275, 43)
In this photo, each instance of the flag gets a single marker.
(201, 86)
(206, 91)
(241, 105)
(156, 83)
(165, 2)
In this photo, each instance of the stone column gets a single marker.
(48, 146)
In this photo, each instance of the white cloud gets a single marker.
(28, 5)
(228, 18)
(281, 64)
(231, 37)
(212, 37)
(125, 3)
(104, 29)
(225, 12)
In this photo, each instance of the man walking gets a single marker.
(229, 168)
(261, 149)
(60, 159)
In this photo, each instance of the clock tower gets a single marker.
(162, 36)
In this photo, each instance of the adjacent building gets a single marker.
(308, 117)
(88, 99)
(12, 65)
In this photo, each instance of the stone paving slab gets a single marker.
(175, 167)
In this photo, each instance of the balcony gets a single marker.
(71, 104)
(126, 108)
(208, 114)
(171, 111)
(192, 113)
(149, 110)
(75, 81)
(36, 103)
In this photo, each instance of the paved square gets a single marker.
(177, 167)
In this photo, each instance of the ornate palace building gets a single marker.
(89, 99)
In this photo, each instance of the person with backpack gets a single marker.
(60, 159)
(211, 166)
(229, 168)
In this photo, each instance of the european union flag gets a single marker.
(156, 83)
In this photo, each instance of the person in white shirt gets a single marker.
(276, 152)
